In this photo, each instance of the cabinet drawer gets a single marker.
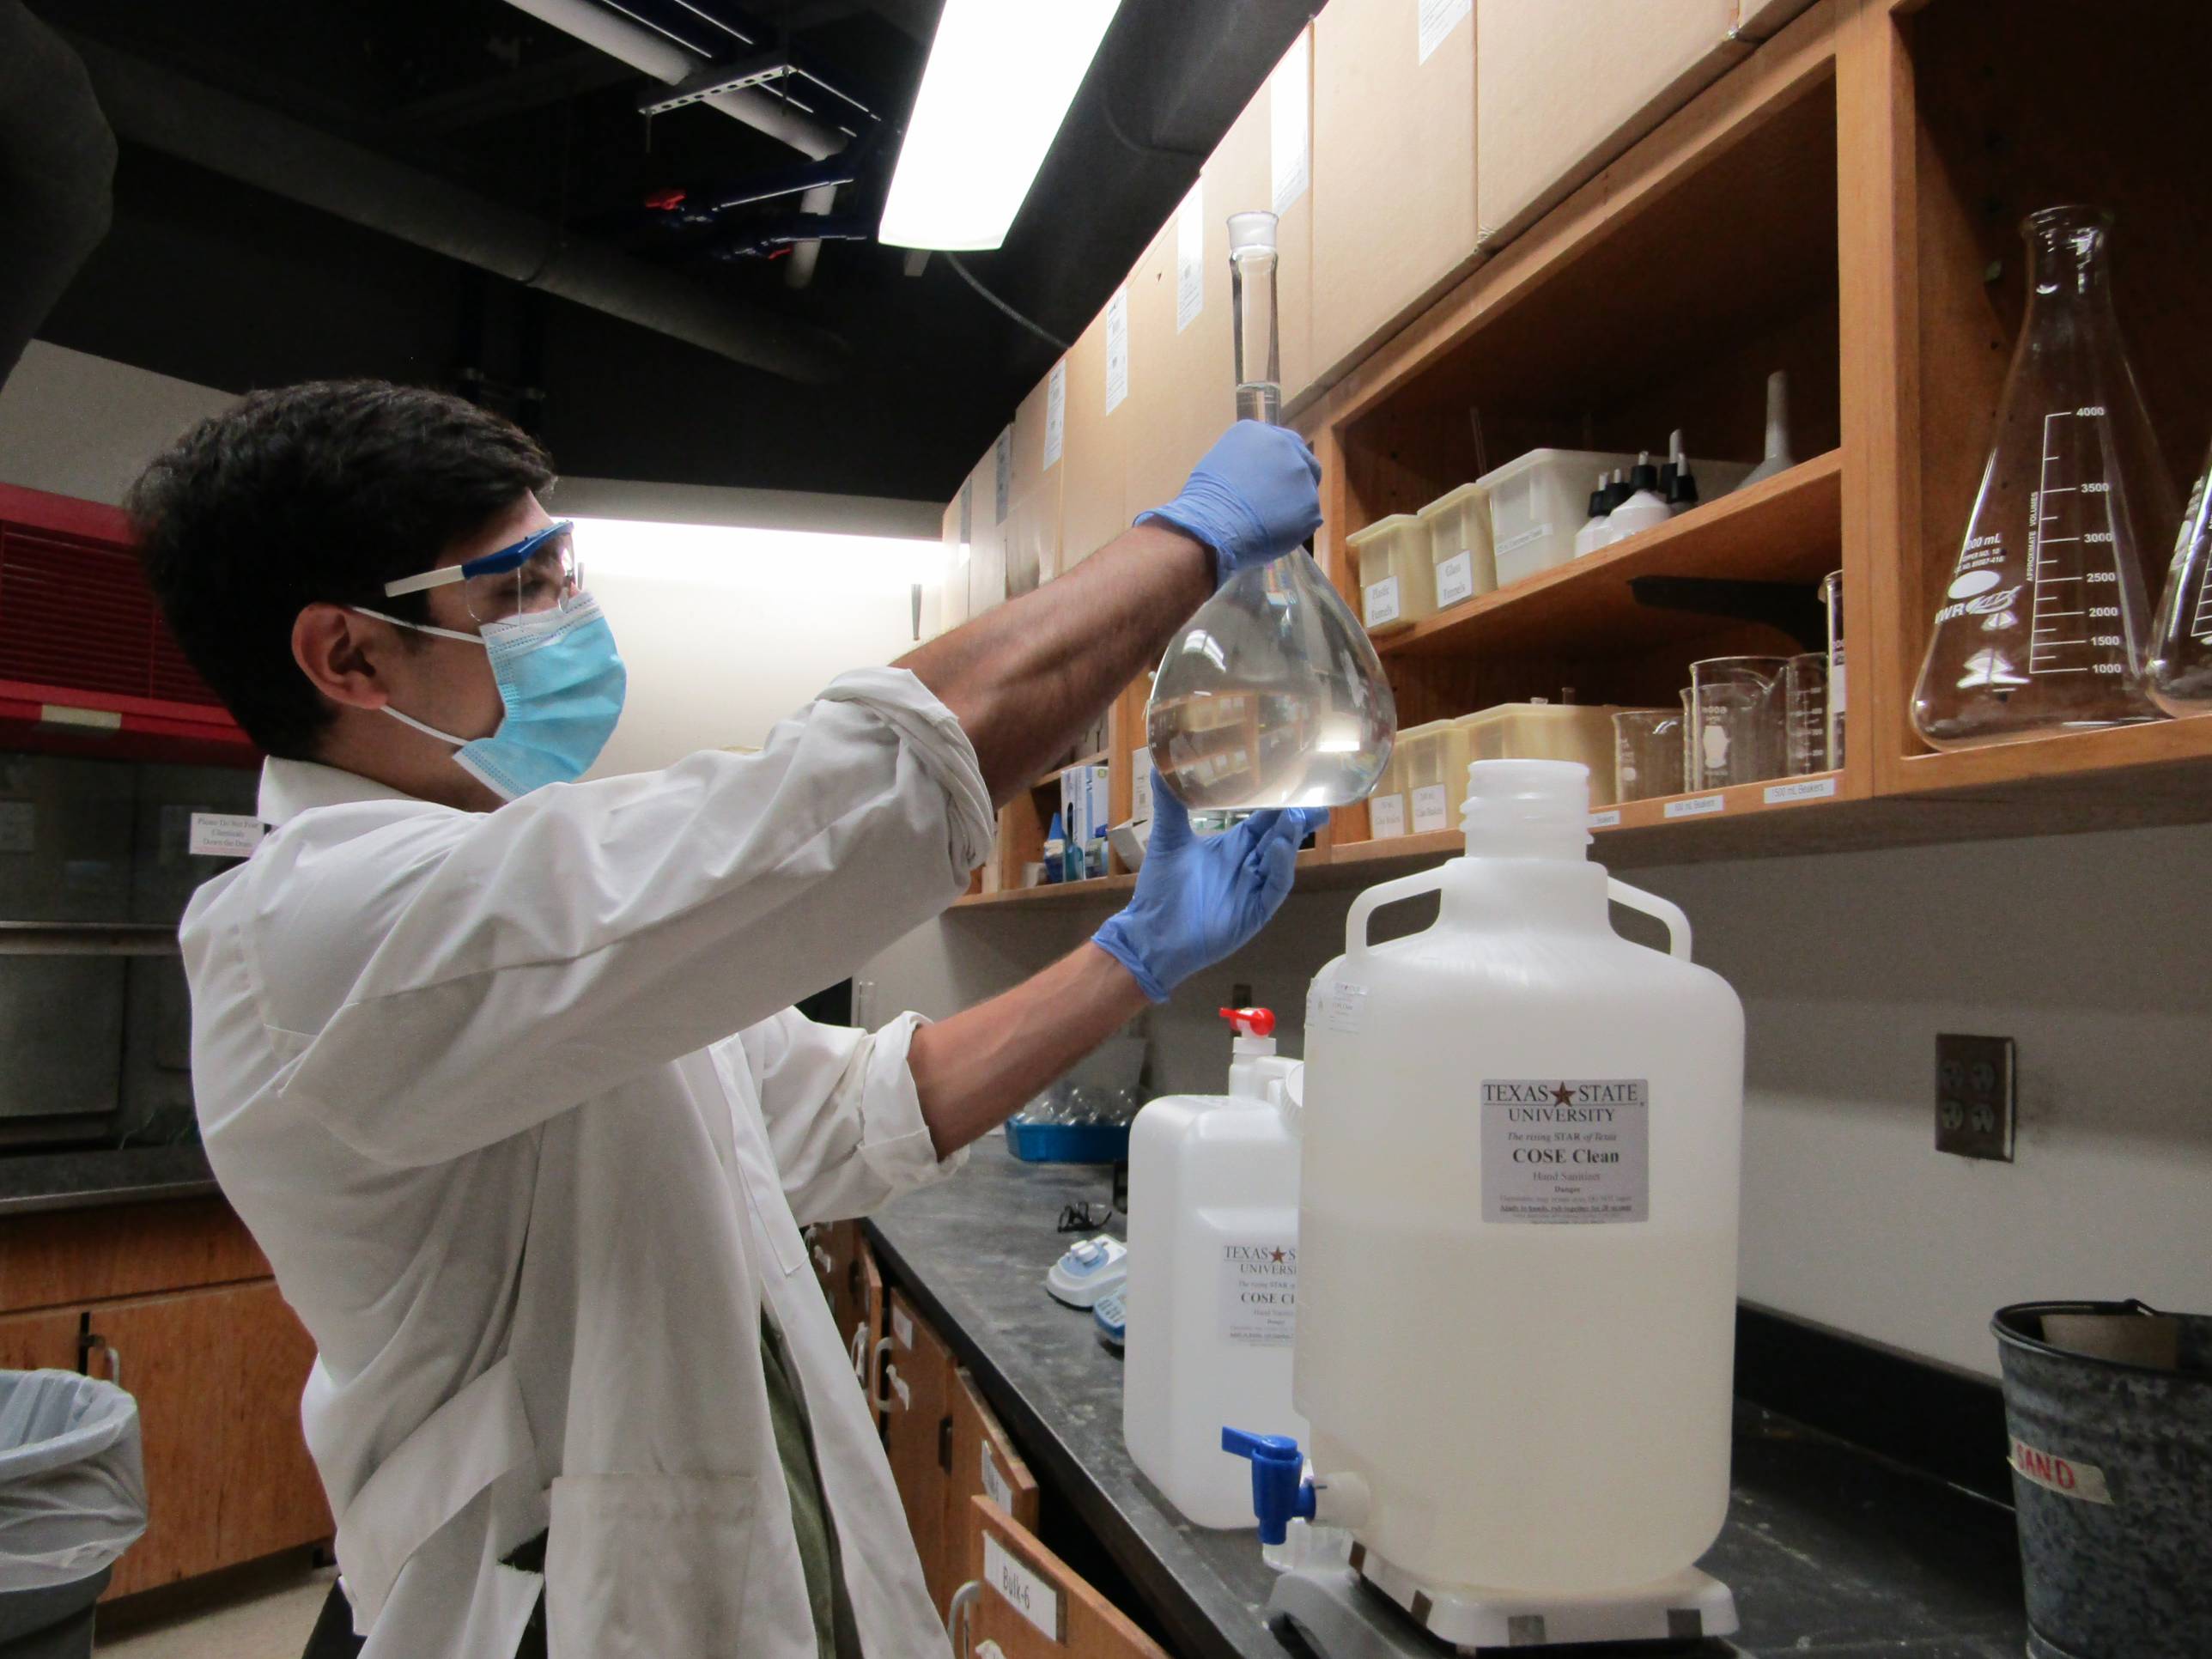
(1033, 1605)
(917, 1389)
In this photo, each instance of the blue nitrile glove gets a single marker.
(1255, 496)
(1198, 898)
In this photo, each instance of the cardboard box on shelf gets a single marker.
(1286, 129)
(1762, 20)
(1560, 90)
(1033, 544)
(952, 606)
(1394, 175)
(986, 538)
(1094, 453)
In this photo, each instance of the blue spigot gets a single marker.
(1281, 1492)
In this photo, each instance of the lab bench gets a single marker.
(31, 1182)
(1830, 1549)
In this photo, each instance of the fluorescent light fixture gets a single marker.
(756, 561)
(1000, 77)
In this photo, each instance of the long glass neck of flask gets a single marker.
(1252, 302)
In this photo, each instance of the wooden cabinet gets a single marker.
(864, 1312)
(1033, 1605)
(172, 1302)
(917, 1388)
(984, 1464)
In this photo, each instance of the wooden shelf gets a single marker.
(1074, 895)
(1787, 526)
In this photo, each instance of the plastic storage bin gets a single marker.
(1397, 582)
(1548, 731)
(1458, 526)
(1433, 771)
(1538, 502)
(1386, 802)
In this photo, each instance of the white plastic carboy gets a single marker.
(1213, 1275)
(1517, 1222)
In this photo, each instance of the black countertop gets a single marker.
(112, 1175)
(1830, 1550)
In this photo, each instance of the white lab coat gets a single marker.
(471, 1079)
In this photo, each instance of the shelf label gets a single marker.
(1386, 816)
(1117, 348)
(1697, 806)
(1456, 579)
(1383, 602)
(222, 835)
(1289, 141)
(1803, 789)
(996, 1487)
(1437, 19)
(1190, 257)
(1023, 1589)
(1430, 810)
(1055, 412)
(1605, 820)
(902, 1327)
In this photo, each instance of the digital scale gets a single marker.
(1370, 1610)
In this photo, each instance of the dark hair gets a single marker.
(324, 491)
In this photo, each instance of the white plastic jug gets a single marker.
(1214, 1277)
(1518, 1218)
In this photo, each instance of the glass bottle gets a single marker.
(1271, 695)
(2045, 626)
(2181, 637)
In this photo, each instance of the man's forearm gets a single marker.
(1026, 677)
(976, 1069)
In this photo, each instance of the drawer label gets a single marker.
(1023, 1589)
(1385, 815)
(1430, 810)
(1259, 1289)
(902, 1327)
(2048, 1470)
(1697, 806)
(1383, 602)
(996, 1487)
(1456, 579)
(1803, 789)
(1566, 1150)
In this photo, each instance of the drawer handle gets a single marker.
(92, 1341)
(884, 1368)
(956, 1616)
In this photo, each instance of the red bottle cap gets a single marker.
(1251, 1022)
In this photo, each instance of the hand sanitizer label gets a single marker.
(1566, 1150)
(1259, 1290)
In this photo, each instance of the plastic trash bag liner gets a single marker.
(72, 1486)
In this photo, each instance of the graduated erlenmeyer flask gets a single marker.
(1271, 695)
(2046, 624)
(2181, 637)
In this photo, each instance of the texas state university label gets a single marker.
(1566, 1149)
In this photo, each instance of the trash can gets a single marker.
(2109, 1408)
(72, 1500)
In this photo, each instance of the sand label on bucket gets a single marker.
(1566, 1149)
(2062, 1475)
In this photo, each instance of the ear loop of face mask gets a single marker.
(427, 730)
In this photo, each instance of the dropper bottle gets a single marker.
(1681, 483)
(1643, 509)
(1591, 536)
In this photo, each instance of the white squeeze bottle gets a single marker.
(1213, 1275)
(1518, 1218)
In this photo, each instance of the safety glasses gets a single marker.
(535, 574)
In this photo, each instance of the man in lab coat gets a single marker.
(501, 1069)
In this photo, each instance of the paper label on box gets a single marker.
(1605, 820)
(1025, 1590)
(2062, 1475)
(1383, 602)
(1456, 579)
(1117, 348)
(1343, 1008)
(1289, 142)
(1697, 806)
(1805, 789)
(1438, 19)
(19, 826)
(1190, 257)
(1432, 810)
(1566, 1150)
(996, 1487)
(1385, 815)
(1259, 1293)
(1055, 412)
(222, 835)
(901, 1327)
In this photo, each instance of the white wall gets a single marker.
(83, 426)
(2094, 951)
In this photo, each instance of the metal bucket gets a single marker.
(2109, 1406)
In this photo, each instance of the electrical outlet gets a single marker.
(1974, 1095)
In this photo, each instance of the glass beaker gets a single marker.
(2045, 626)
(1647, 753)
(1271, 695)
(1693, 773)
(2181, 670)
(1805, 714)
(1832, 601)
(1736, 714)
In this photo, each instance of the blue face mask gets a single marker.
(562, 682)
